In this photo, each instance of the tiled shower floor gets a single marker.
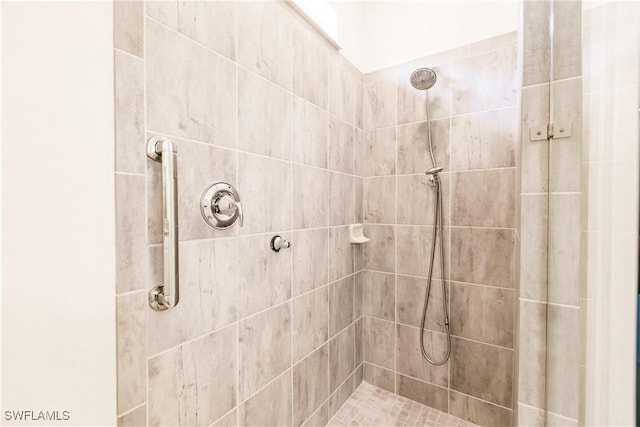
(371, 406)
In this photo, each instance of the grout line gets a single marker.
(128, 411)
(248, 70)
(250, 153)
(223, 416)
(141, 175)
(129, 54)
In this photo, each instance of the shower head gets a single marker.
(435, 170)
(423, 78)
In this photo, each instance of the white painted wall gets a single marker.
(58, 239)
(611, 128)
(379, 34)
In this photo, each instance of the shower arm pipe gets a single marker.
(167, 295)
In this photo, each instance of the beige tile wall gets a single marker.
(474, 127)
(550, 195)
(253, 96)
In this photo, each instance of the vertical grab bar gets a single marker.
(167, 295)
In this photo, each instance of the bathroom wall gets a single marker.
(381, 34)
(474, 117)
(253, 96)
(548, 376)
(609, 284)
(58, 260)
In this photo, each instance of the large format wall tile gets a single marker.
(414, 251)
(341, 146)
(265, 188)
(378, 251)
(130, 237)
(128, 31)
(191, 384)
(265, 41)
(264, 349)
(342, 89)
(379, 152)
(271, 406)
(477, 411)
(132, 353)
(413, 146)
(564, 238)
(310, 384)
(482, 370)
(340, 396)
(208, 293)
(379, 377)
(484, 256)
(342, 194)
(412, 103)
(179, 69)
(266, 275)
(212, 24)
(311, 62)
(228, 420)
(380, 104)
(567, 40)
(340, 305)
(379, 295)
(379, 198)
(409, 359)
(484, 198)
(199, 165)
(534, 154)
(310, 253)
(532, 347)
(562, 373)
(536, 43)
(341, 253)
(379, 339)
(484, 140)
(264, 117)
(410, 293)
(484, 82)
(309, 322)
(534, 219)
(309, 134)
(135, 418)
(310, 197)
(417, 198)
(341, 357)
(482, 313)
(425, 393)
(565, 169)
(129, 113)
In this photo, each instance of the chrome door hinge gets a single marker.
(551, 131)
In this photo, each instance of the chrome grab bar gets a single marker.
(167, 295)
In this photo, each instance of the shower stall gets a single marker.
(431, 219)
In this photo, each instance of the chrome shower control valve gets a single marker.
(278, 243)
(220, 205)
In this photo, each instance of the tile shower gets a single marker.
(251, 94)
(473, 111)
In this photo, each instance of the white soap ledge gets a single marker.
(356, 234)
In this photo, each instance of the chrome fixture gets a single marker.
(422, 79)
(278, 243)
(220, 205)
(163, 150)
